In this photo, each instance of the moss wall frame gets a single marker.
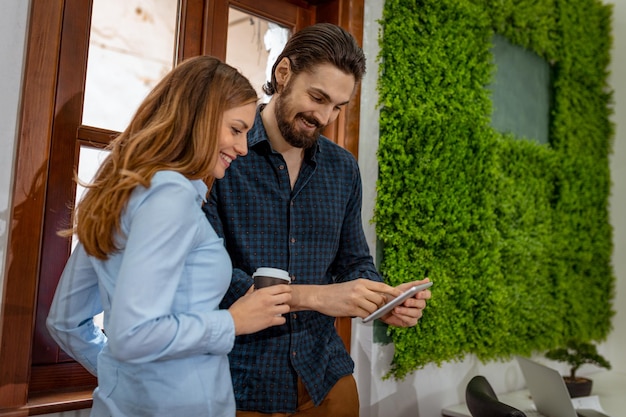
(514, 234)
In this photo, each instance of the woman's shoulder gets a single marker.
(166, 177)
(169, 187)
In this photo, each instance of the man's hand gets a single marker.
(407, 314)
(356, 298)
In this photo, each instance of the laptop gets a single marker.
(549, 393)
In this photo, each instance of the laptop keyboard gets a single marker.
(585, 413)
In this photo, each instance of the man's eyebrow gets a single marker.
(326, 96)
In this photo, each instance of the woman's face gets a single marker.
(233, 141)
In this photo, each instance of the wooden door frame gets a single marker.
(38, 114)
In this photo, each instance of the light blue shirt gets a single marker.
(166, 344)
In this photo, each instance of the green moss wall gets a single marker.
(514, 234)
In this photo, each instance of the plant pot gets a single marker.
(578, 387)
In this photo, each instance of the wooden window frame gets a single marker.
(52, 96)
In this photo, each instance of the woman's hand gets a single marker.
(260, 309)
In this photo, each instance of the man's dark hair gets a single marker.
(322, 43)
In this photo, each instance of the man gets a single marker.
(294, 202)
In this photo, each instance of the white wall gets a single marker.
(427, 391)
(617, 338)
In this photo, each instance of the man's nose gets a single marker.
(327, 115)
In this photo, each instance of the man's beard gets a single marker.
(288, 128)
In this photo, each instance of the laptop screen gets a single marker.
(547, 389)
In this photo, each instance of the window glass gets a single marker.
(131, 47)
(253, 44)
(89, 160)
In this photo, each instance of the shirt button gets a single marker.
(293, 240)
(294, 316)
(293, 353)
(281, 167)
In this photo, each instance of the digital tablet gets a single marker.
(396, 301)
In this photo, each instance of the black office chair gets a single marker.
(482, 401)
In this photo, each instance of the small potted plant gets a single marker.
(576, 354)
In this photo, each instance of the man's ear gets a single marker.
(282, 73)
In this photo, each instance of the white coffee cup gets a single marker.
(264, 277)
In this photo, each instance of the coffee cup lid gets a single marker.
(272, 272)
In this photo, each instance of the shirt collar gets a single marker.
(201, 189)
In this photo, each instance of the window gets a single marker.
(59, 131)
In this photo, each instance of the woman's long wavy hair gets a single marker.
(175, 128)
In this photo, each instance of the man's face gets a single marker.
(310, 101)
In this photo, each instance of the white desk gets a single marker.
(609, 386)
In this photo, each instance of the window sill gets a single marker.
(47, 403)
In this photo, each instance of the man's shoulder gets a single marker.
(328, 148)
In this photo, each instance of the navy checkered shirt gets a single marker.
(313, 231)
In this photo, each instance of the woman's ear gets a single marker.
(282, 73)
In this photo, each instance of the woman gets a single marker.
(150, 260)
